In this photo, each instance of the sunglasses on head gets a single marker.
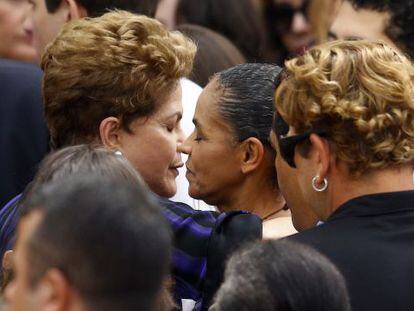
(287, 144)
(282, 14)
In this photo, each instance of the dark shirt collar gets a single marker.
(375, 204)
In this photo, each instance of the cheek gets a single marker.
(8, 22)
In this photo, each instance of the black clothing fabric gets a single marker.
(371, 241)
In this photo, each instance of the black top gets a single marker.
(371, 240)
(23, 133)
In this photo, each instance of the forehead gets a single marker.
(361, 23)
(207, 111)
(170, 103)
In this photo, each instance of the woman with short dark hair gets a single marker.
(230, 160)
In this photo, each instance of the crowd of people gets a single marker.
(165, 155)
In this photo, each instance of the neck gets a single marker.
(255, 196)
(376, 181)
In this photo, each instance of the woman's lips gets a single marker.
(174, 168)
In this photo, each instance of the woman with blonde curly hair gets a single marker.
(345, 122)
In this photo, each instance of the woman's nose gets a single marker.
(185, 146)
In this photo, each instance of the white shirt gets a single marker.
(190, 94)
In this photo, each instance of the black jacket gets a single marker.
(23, 133)
(371, 241)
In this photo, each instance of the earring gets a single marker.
(315, 186)
(118, 153)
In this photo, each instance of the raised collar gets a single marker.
(375, 204)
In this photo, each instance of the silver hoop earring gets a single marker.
(118, 153)
(315, 187)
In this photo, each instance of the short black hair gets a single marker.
(281, 275)
(247, 101)
(97, 8)
(108, 238)
(400, 28)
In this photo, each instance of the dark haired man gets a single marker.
(62, 262)
(389, 21)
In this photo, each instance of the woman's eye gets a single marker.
(170, 128)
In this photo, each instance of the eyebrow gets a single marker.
(198, 126)
(177, 114)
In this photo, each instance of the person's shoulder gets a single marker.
(278, 228)
(15, 68)
(239, 223)
(183, 215)
(231, 223)
(317, 234)
(20, 82)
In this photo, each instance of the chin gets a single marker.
(167, 192)
(194, 194)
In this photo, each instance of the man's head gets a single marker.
(89, 243)
(50, 15)
(389, 21)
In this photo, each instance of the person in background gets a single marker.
(295, 25)
(166, 13)
(344, 122)
(388, 21)
(284, 276)
(16, 31)
(23, 132)
(50, 15)
(288, 26)
(215, 53)
(230, 160)
(238, 20)
(119, 263)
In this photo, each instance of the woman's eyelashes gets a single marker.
(172, 126)
(198, 136)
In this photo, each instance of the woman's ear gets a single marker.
(322, 154)
(252, 153)
(109, 132)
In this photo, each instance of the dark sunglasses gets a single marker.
(287, 144)
(282, 14)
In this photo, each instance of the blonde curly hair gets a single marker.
(361, 93)
(119, 64)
